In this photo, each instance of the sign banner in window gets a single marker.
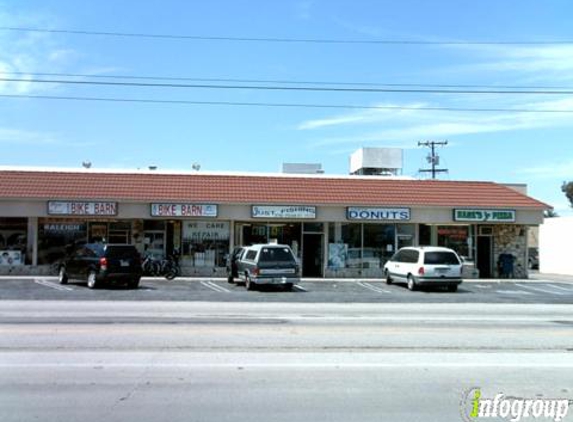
(357, 213)
(11, 258)
(202, 231)
(183, 210)
(81, 208)
(288, 211)
(491, 216)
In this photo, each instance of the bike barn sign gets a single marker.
(183, 210)
(82, 208)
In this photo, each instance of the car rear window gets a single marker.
(441, 258)
(120, 252)
(276, 254)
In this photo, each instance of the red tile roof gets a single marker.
(254, 189)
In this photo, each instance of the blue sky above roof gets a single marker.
(503, 146)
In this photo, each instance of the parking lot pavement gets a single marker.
(540, 290)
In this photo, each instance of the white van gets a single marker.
(425, 266)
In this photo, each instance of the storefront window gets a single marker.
(13, 241)
(58, 237)
(154, 238)
(360, 246)
(455, 237)
(205, 243)
(283, 233)
(378, 244)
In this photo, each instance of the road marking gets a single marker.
(215, 287)
(373, 288)
(302, 289)
(561, 288)
(537, 289)
(51, 285)
(513, 292)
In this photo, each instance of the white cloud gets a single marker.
(559, 169)
(414, 123)
(29, 52)
(548, 63)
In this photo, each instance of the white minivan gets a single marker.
(425, 266)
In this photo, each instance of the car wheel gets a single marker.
(92, 281)
(453, 288)
(249, 283)
(288, 287)
(388, 278)
(411, 283)
(62, 275)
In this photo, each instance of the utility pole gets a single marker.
(433, 158)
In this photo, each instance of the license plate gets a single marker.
(124, 263)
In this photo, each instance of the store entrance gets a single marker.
(312, 255)
(484, 256)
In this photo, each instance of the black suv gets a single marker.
(100, 263)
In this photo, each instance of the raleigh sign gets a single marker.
(356, 213)
(490, 216)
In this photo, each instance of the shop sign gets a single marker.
(82, 208)
(491, 216)
(183, 210)
(287, 211)
(201, 231)
(356, 213)
(63, 227)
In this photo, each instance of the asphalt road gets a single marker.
(339, 291)
(221, 361)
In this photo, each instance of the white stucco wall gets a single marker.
(556, 246)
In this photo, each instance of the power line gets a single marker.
(293, 88)
(278, 39)
(286, 105)
(285, 82)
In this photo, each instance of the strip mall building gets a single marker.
(339, 226)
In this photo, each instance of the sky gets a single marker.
(242, 46)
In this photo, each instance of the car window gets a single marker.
(96, 249)
(414, 256)
(120, 252)
(441, 258)
(398, 256)
(251, 255)
(276, 254)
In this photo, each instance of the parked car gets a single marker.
(533, 261)
(231, 263)
(268, 264)
(425, 266)
(102, 263)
